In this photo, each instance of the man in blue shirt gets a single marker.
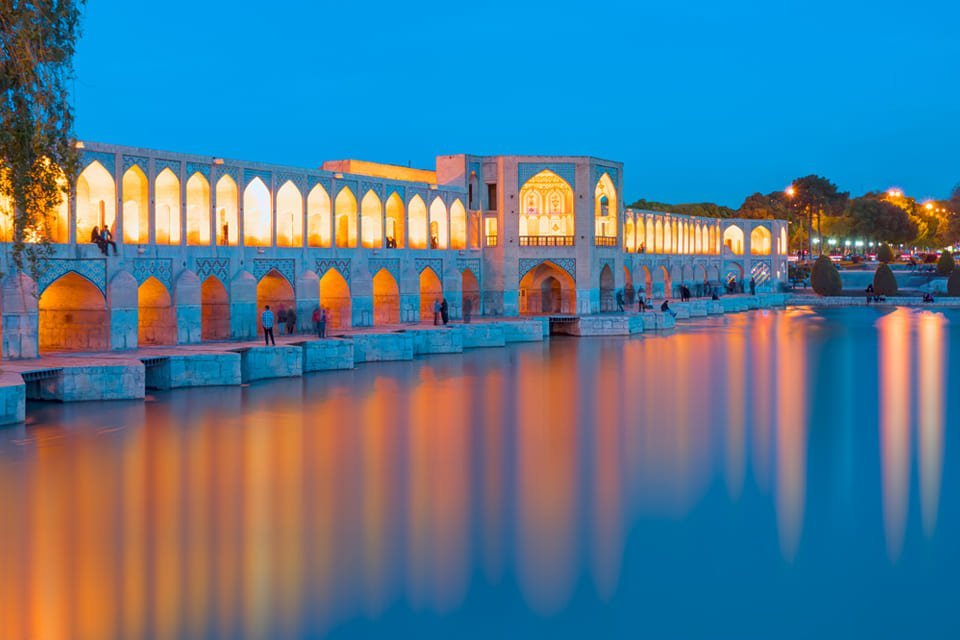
(266, 320)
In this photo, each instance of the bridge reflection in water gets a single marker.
(554, 488)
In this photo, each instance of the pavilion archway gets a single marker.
(335, 297)
(73, 316)
(156, 317)
(214, 310)
(431, 290)
(274, 290)
(470, 290)
(761, 241)
(386, 298)
(547, 289)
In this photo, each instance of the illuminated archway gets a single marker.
(318, 218)
(546, 202)
(256, 214)
(438, 224)
(386, 298)
(649, 242)
(431, 290)
(276, 291)
(658, 238)
(629, 236)
(371, 217)
(733, 239)
(547, 289)
(289, 216)
(396, 229)
(713, 249)
(335, 296)
(198, 210)
(136, 206)
(417, 218)
(167, 208)
(470, 291)
(228, 221)
(783, 249)
(73, 316)
(96, 201)
(345, 213)
(214, 310)
(458, 225)
(761, 241)
(698, 239)
(605, 208)
(647, 281)
(157, 320)
(667, 281)
(606, 289)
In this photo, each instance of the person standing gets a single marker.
(436, 312)
(753, 287)
(291, 320)
(323, 322)
(281, 317)
(444, 312)
(266, 321)
(316, 321)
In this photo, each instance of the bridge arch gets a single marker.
(73, 316)
(431, 290)
(547, 288)
(156, 317)
(386, 298)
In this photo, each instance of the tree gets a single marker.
(824, 278)
(884, 282)
(706, 209)
(873, 219)
(945, 264)
(815, 196)
(37, 153)
(773, 206)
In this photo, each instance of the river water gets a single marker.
(770, 474)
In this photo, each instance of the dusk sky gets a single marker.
(701, 101)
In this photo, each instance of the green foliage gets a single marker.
(884, 282)
(875, 219)
(36, 119)
(885, 253)
(953, 284)
(825, 279)
(707, 209)
(945, 264)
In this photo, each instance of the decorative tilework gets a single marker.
(400, 191)
(298, 179)
(217, 267)
(138, 161)
(341, 265)
(390, 264)
(599, 170)
(351, 184)
(94, 270)
(313, 181)
(608, 263)
(567, 264)
(160, 165)
(227, 170)
(108, 160)
(566, 170)
(417, 191)
(434, 263)
(198, 167)
(159, 268)
(250, 174)
(469, 263)
(376, 187)
(287, 267)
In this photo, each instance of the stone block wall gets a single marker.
(522, 331)
(120, 381)
(427, 341)
(327, 354)
(195, 370)
(261, 363)
(374, 347)
(13, 398)
(486, 334)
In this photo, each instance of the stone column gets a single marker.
(20, 317)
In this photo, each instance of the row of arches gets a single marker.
(657, 234)
(761, 241)
(212, 216)
(74, 314)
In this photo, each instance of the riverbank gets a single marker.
(813, 300)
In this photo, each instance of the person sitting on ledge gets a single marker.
(106, 239)
(96, 239)
(665, 307)
(928, 297)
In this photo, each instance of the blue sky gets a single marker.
(702, 101)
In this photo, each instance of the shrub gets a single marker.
(885, 253)
(945, 264)
(825, 279)
(953, 284)
(884, 282)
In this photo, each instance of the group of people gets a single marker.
(103, 239)
(286, 319)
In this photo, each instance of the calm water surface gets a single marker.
(772, 474)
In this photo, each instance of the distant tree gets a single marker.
(706, 209)
(884, 282)
(824, 277)
(885, 253)
(874, 219)
(945, 264)
(814, 197)
(37, 39)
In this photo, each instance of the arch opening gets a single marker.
(470, 294)
(546, 202)
(166, 208)
(335, 296)
(395, 231)
(438, 224)
(458, 225)
(539, 294)
(256, 214)
(289, 217)
(345, 210)
(605, 208)
(198, 210)
(371, 221)
(318, 218)
(761, 241)
(276, 291)
(96, 201)
(156, 319)
(136, 207)
(431, 291)
(733, 239)
(228, 220)
(73, 316)
(606, 289)
(214, 310)
(386, 298)
(417, 222)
